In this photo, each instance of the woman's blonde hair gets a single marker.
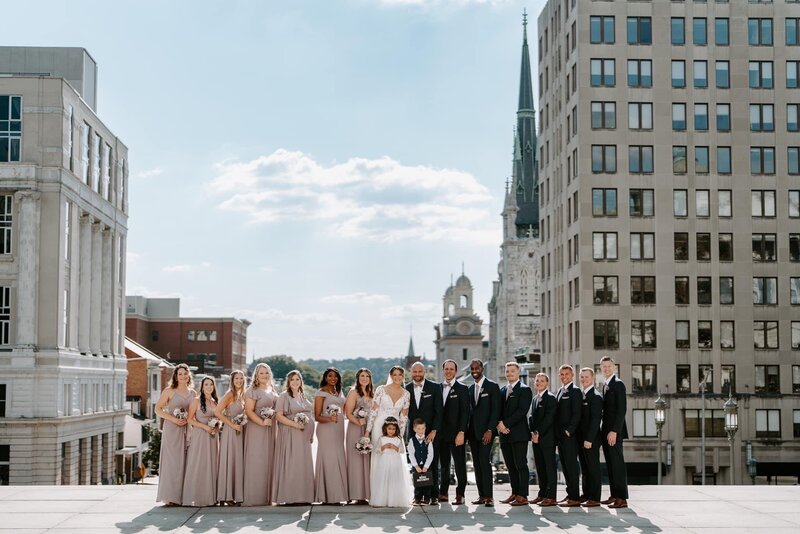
(254, 383)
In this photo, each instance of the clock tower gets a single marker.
(459, 336)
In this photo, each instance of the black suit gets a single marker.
(542, 421)
(430, 411)
(568, 416)
(589, 430)
(483, 416)
(515, 444)
(455, 418)
(614, 408)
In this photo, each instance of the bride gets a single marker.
(391, 400)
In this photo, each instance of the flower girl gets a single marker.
(391, 478)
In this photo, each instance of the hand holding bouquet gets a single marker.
(240, 420)
(364, 446)
(301, 419)
(361, 413)
(333, 411)
(181, 415)
(215, 425)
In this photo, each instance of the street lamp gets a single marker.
(660, 416)
(731, 424)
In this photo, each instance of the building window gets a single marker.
(682, 290)
(765, 336)
(644, 423)
(604, 159)
(762, 203)
(640, 116)
(464, 354)
(794, 291)
(703, 241)
(5, 463)
(10, 128)
(702, 202)
(97, 178)
(681, 243)
(679, 160)
(85, 154)
(792, 124)
(768, 424)
(723, 74)
(5, 315)
(2, 400)
(704, 337)
(793, 159)
(707, 371)
(678, 31)
(723, 160)
(794, 204)
(643, 289)
(601, 30)
(699, 31)
(728, 379)
(604, 202)
(794, 247)
(640, 30)
(795, 335)
(604, 115)
(724, 203)
(792, 31)
(643, 246)
(704, 290)
(714, 423)
(604, 245)
(606, 289)
(640, 159)
(154, 335)
(640, 73)
(643, 335)
(679, 117)
(6, 223)
(759, 32)
(762, 160)
(764, 247)
(721, 32)
(796, 426)
(603, 73)
(723, 117)
(700, 72)
(701, 164)
(765, 290)
(726, 290)
(606, 335)
(683, 373)
(762, 118)
(795, 379)
(727, 336)
(760, 75)
(792, 74)
(641, 203)
(678, 73)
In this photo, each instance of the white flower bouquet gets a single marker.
(266, 413)
(240, 420)
(364, 445)
(180, 413)
(215, 424)
(333, 409)
(302, 419)
(361, 413)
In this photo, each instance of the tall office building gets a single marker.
(670, 220)
(63, 222)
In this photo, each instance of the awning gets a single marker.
(145, 354)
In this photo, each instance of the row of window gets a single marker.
(602, 30)
(201, 335)
(641, 159)
(768, 423)
(643, 334)
(641, 203)
(10, 128)
(760, 74)
(640, 116)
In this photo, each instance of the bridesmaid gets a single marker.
(202, 458)
(359, 398)
(230, 484)
(172, 461)
(331, 469)
(293, 480)
(259, 438)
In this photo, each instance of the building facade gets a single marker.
(514, 315)
(670, 221)
(212, 345)
(459, 337)
(63, 216)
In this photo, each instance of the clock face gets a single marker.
(464, 328)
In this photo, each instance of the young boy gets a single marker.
(420, 455)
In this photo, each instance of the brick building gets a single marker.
(213, 345)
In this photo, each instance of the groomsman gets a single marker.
(484, 399)
(543, 412)
(588, 437)
(426, 404)
(455, 418)
(514, 434)
(568, 415)
(614, 431)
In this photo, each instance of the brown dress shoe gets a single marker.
(537, 500)
(416, 502)
(610, 500)
(519, 501)
(509, 499)
(459, 500)
(488, 502)
(548, 502)
(479, 500)
(619, 503)
(434, 502)
(565, 499)
(570, 502)
(443, 498)
(591, 504)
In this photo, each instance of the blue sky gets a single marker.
(319, 168)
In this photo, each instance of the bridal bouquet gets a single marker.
(364, 445)
(333, 409)
(361, 413)
(302, 419)
(266, 413)
(240, 420)
(215, 424)
(180, 413)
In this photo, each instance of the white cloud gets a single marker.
(157, 171)
(422, 310)
(438, 2)
(379, 199)
(185, 267)
(356, 298)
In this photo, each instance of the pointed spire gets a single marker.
(462, 267)
(411, 346)
(525, 85)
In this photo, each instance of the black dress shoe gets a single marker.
(489, 503)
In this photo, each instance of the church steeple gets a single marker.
(525, 166)
(411, 352)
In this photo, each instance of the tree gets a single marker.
(280, 364)
(150, 457)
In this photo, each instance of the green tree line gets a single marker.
(312, 369)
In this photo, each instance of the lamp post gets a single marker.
(731, 424)
(660, 416)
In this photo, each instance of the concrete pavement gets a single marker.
(666, 509)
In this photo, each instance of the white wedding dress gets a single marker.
(390, 477)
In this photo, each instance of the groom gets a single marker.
(426, 404)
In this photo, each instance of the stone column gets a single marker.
(97, 454)
(110, 445)
(107, 295)
(28, 203)
(71, 464)
(96, 294)
(85, 285)
(84, 477)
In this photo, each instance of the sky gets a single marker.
(319, 168)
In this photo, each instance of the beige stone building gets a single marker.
(459, 336)
(670, 221)
(63, 222)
